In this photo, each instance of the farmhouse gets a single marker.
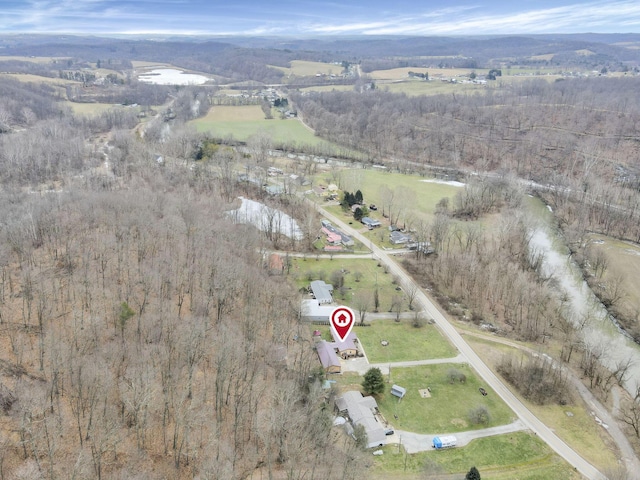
(348, 348)
(362, 411)
(397, 237)
(328, 358)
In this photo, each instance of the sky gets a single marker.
(318, 17)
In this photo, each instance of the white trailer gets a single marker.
(444, 442)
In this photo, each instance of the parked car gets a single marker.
(389, 431)
(372, 207)
(483, 391)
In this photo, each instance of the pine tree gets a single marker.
(373, 382)
(473, 474)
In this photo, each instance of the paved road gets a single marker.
(524, 414)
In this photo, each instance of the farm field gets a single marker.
(405, 342)
(420, 87)
(304, 68)
(434, 73)
(450, 404)
(33, 59)
(242, 122)
(504, 457)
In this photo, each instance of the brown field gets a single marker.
(304, 68)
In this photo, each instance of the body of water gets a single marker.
(171, 76)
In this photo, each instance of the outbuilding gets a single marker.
(398, 391)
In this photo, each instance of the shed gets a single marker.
(398, 391)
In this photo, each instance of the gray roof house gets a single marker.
(370, 222)
(312, 311)
(397, 237)
(322, 291)
(361, 411)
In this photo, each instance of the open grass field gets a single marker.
(244, 121)
(305, 270)
(405, 342)
(623, 263)
(573, 423)
(304, 68)
(448, 408)
(518, 455)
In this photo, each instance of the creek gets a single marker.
(600, 332)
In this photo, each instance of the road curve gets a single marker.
(527, 417)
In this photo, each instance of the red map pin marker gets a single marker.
(342, 320)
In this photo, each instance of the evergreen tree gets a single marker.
(473, 474)
(373, 382)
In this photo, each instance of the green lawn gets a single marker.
(447, 411)
(518, 455)
(370, 274)
(405, 342)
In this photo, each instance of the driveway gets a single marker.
(417, 442)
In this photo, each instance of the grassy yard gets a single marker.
(447, 410)
(366, 269)
(518, 455)
(405, 342)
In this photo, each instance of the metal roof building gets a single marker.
(322, 291)
(361, 411)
